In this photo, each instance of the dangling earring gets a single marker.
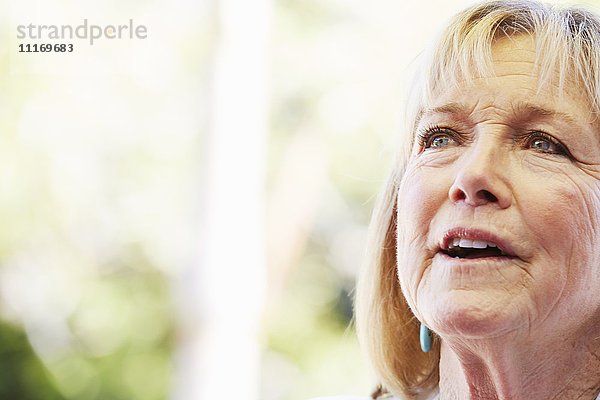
(426, 339)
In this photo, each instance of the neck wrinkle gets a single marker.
(487, 371)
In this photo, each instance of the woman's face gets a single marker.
(499, 208)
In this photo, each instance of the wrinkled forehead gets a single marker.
(520, 54)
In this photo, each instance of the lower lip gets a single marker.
(500, 259)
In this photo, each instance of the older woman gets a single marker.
(484, 272)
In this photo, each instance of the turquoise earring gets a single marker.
(426, 339)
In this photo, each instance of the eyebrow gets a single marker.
(450, 108)
(521, 108)
(527, 108)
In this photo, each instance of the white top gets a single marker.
(367, 398)
(342, 398)
(353, 398)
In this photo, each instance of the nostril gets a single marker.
(488, 196)
(477, 189)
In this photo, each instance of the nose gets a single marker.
(482, 178)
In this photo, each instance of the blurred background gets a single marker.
(183, 216)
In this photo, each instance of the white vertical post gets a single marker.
(221, 296)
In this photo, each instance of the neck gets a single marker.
(504, 368)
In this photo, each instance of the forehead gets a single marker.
(510, 52)
(513, 85)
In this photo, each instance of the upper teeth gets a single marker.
(474, 244)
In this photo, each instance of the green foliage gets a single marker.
(22, 374)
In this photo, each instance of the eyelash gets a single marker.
(424, 137)
(561, 149)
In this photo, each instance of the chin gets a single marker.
(474, 315)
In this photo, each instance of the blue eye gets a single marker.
(545, 143)
(436, 138)
(441, 141)
(541, 144)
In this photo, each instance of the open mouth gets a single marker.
(467, 248)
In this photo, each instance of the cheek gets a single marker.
(421, 194)
(564, 215)
(419, 198)
(423, 190)
(562, 202)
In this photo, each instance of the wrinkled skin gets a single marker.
(505, 322)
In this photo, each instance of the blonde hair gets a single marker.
(568, 49)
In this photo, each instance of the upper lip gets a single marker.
(476, 234)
